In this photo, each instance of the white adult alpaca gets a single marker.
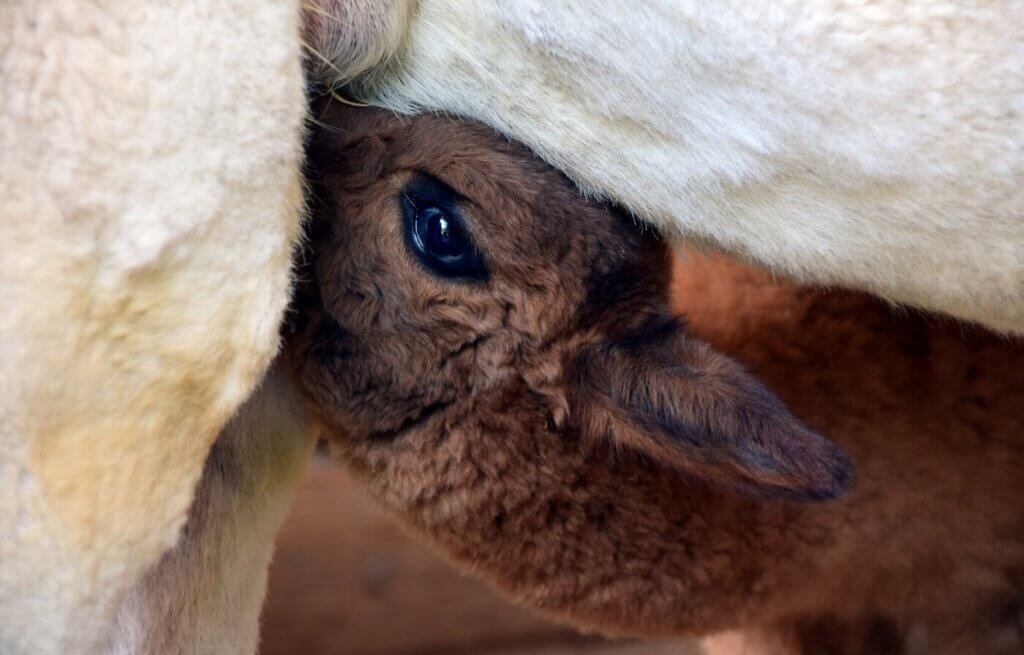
(149, 202)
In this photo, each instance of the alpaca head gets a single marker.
(496, 356)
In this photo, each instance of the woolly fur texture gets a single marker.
(150, 197)
(205, 594)
(875, 145)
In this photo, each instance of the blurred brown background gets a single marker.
(346, 580)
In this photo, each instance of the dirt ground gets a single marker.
(347, 581)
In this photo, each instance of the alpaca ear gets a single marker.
(676, 401)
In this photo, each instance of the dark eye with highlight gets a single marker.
(436, 231)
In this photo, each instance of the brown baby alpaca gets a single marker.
(497, 358)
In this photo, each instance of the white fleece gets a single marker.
(149, 203)
(871, 144)
(205, 594)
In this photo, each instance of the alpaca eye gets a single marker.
(441, 236)
(436, 232)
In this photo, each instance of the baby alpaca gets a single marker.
(495, 349)
(499, 289)
(497, 358)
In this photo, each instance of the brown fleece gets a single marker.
(932, 412)
(553, 428)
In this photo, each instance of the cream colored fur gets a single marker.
(205, 594)
(876, 145)
(149, 204)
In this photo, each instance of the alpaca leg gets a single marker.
(205, 594)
